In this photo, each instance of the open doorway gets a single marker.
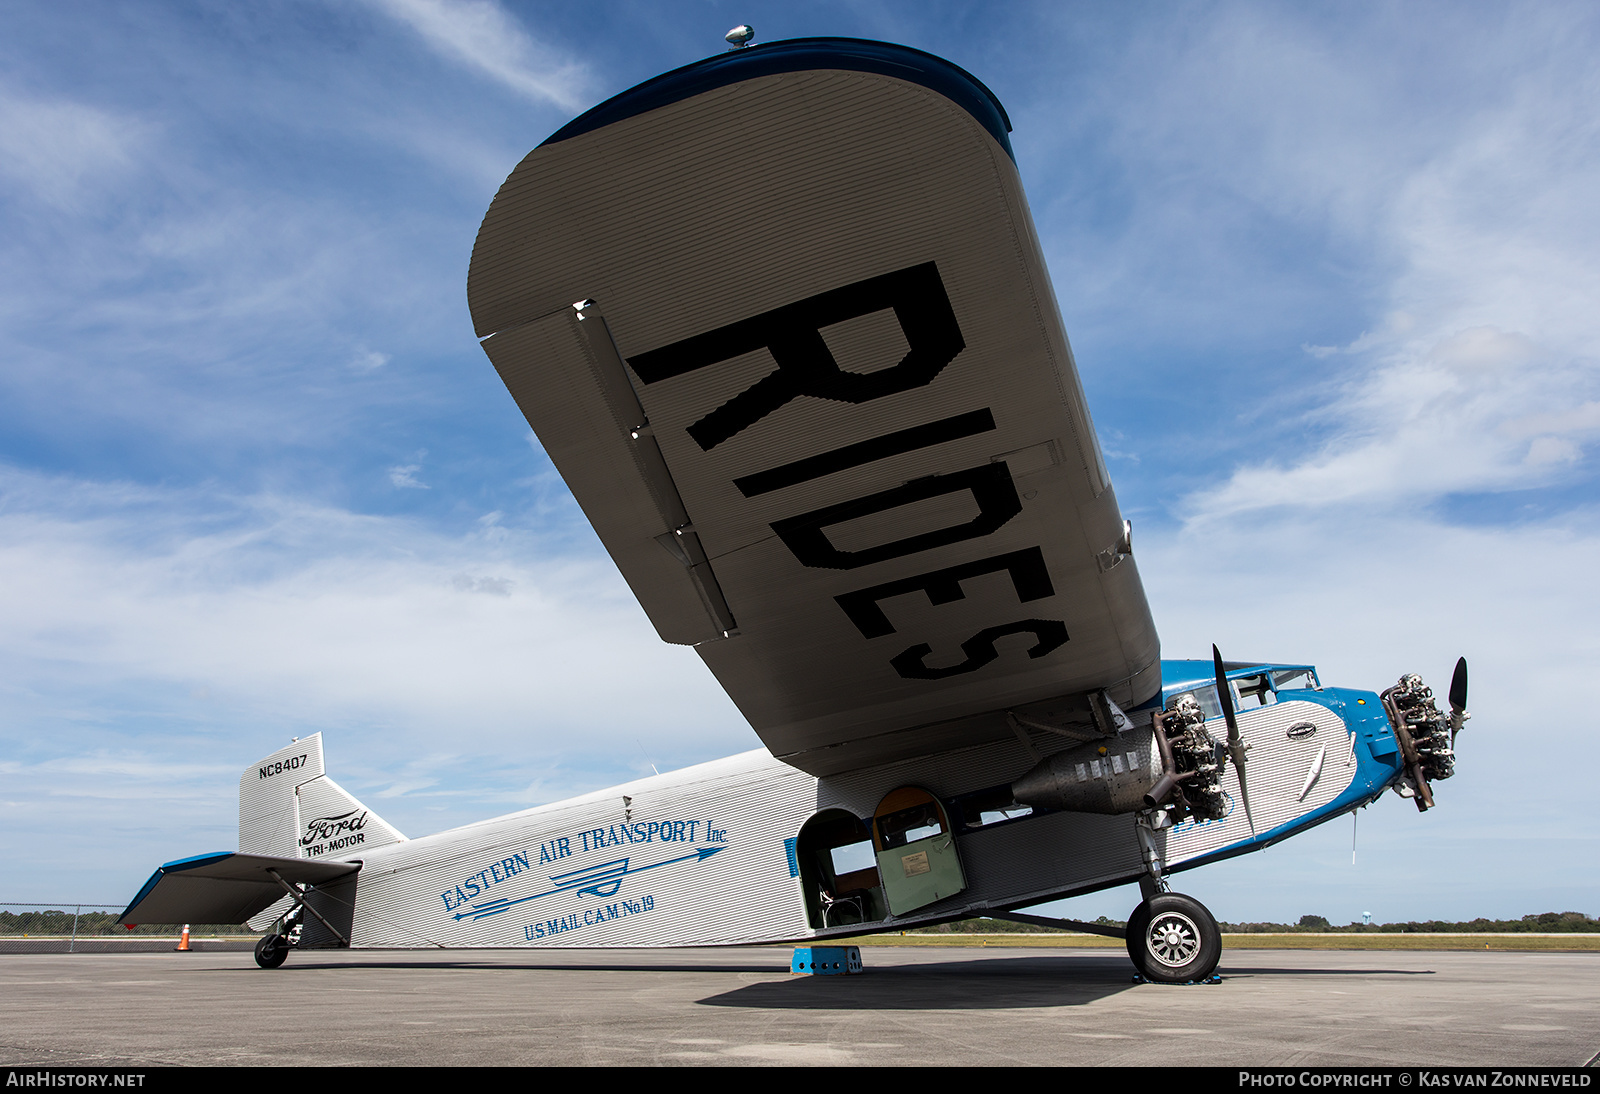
(839, 871)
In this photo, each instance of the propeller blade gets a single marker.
(1236, 745)
(1458, 685)
(1225, 697)
(1458, 698)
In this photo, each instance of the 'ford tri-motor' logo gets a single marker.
(1300, 731)
(335, 832)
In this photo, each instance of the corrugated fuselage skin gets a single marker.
(699, 857)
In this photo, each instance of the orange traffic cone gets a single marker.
(183, 942)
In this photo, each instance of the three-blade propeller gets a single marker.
(1236, 745)
(1458, 699)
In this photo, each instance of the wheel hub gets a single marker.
(1172, 939)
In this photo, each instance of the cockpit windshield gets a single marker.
(1262, 687)
(1294, 679)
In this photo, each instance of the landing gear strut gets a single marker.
(1172, 938)
(273, 949)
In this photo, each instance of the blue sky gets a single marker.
(1329, 271)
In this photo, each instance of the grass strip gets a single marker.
(1496, 943)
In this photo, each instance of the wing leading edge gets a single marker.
(817, 400)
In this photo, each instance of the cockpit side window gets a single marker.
(1294, 679)
(1254, 691)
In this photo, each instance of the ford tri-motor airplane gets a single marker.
(782, 322)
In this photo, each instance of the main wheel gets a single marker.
(1179, 940)
(272, 951)
(1138, 920)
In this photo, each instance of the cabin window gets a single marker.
(853, 857)
(908, 825)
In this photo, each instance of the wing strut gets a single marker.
(1065, 924)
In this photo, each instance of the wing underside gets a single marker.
(821, 410)
(226, 887)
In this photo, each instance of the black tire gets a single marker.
(272, 951)
(1179, 940)
(1138, 921)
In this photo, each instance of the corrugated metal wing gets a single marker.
(869, 489)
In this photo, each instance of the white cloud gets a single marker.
(1579, 421)
(1484, 375)
(308, 615)
(406, 477)
(1463, 214)
(1552, 450)
(482, 35)
(492, 586)
(365, 360)
(63, 150)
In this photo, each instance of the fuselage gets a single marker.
(749, 849)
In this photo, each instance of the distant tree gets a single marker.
(1313, 922)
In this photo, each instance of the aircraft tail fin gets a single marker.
(289, 808)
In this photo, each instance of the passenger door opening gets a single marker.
(838, 871)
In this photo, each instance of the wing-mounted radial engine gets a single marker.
(1174, 767)
(1426, 734)
(1172, 764)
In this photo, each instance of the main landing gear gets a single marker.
(1172, 938)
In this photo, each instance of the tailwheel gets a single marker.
(272, 951)
(1173, 939)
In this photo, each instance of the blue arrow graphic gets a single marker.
(602, 880)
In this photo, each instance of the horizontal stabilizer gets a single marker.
(225, 887)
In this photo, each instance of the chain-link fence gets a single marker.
(75, 922)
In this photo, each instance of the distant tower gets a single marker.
(1366, 919)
